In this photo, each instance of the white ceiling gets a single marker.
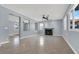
(35, 11)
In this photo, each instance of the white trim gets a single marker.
(27, 36)
(4, 42)
(13, 34)
(74, 6)
(70, 45)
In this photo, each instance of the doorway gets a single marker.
(14, 29)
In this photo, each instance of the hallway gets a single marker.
(36, 44)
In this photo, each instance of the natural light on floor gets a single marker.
(41, 41)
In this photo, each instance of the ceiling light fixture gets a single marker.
(45, 17)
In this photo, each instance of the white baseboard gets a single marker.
(70, 45)
(4, 42)
(13, 34)
(27, 36)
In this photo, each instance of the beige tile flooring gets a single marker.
(36, 45)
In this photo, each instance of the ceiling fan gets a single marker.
(45, 17)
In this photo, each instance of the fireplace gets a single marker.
(48, 31)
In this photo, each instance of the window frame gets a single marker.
(73, 19)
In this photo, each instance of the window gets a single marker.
(41, 26)
(36, 26)
(76, 13)
(25, 25)
(16, 25)
(74, 18)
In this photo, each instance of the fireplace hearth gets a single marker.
(48, 31)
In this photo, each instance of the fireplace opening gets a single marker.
(48, 31)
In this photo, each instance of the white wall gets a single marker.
(4, 23)
(56, 24)
(72, 37)
(31, 30)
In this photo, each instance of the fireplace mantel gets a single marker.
(48, 31)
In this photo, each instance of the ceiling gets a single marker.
(35, 11)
